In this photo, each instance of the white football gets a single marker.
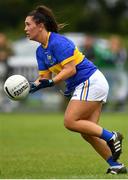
(17, 87)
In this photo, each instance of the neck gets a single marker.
(43, 37)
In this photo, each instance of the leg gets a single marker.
(82, 116)
(98, 144)
(77, 117)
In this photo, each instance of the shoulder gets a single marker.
(58, 40)
(39, 50)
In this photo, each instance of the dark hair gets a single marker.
(43, 14)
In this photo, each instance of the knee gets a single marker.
(69, 123)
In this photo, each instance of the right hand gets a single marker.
(67, 94)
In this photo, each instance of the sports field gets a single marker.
(38, 146)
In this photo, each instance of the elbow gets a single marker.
(73, 71)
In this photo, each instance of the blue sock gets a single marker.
(106, 135)
(111, 162)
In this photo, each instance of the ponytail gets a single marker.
(43, 14)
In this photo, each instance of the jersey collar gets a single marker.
(46, 45)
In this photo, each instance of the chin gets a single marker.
(31, 38)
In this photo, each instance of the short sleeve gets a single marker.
(64, 51)
(40, 61)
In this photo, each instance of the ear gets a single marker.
(41, 26)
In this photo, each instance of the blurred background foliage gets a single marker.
(93, 16)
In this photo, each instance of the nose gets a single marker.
(25, 29)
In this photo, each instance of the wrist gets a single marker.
(51, 81)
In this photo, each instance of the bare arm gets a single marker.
(68, 70)
(44, 76)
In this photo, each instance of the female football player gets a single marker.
(88, 86)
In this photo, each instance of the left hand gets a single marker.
(43, 84)
(46, 83)
(67, 94)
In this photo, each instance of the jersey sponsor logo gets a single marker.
(49, 58)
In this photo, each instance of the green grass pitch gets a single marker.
(34, 146)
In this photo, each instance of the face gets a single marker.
(32, 29)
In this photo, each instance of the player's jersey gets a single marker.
(59, 51)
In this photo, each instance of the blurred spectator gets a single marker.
(88, 48)
(111, 60)
(118, 53)
(5, 52)
(120, 82)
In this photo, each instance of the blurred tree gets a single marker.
(12, 12)
(104, 16)
(96, 16)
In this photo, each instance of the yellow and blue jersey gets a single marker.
(58, 51)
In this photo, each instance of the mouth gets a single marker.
(27, 34)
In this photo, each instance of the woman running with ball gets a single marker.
(88, 86)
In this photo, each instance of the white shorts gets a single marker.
(94, 89)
